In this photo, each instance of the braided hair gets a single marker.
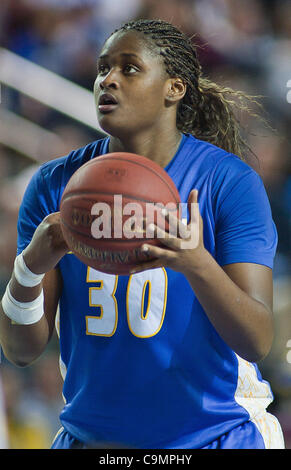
(207, 110)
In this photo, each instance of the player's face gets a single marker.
(130, 86)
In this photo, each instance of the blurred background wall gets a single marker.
(48, 51)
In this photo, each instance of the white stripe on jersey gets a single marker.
(254, 396)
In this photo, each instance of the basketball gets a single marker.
(104, 206)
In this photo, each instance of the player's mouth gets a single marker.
(107, 103)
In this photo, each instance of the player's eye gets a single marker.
(102, 69)
(130, 69)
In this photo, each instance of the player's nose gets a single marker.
(110, 81)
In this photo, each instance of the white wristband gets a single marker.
(23, 274)
(23, 313)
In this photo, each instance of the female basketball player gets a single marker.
(183, 375)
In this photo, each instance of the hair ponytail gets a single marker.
(211, 114)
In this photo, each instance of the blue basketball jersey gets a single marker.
(143, 366)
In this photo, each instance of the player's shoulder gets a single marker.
(222, 166)
(215, 157)
(64, 167)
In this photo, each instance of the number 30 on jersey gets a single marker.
(145, 314)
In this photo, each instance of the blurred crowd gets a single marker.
(245, 45)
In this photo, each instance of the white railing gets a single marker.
(47, 88)
(27, 138)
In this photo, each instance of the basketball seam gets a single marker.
(137, 163)
(126, 196)
(111, 239)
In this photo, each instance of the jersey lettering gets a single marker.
(145, 321)
(145, 313)
(102, 298)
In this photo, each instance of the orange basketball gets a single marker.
(104, 206)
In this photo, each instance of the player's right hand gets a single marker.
(47, 245)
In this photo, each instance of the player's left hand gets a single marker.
(181, 251)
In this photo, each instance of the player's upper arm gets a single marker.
(33, 209)
(254, 279)
(245, 231)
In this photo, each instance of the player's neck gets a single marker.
(160, 148)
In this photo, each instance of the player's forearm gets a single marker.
(244, 323)
(22, 344)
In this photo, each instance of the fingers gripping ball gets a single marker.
(106, 206)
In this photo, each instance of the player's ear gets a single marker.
(175, 90)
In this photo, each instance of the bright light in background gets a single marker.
(289, 92)
(288, 355)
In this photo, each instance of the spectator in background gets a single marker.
(274, 168)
